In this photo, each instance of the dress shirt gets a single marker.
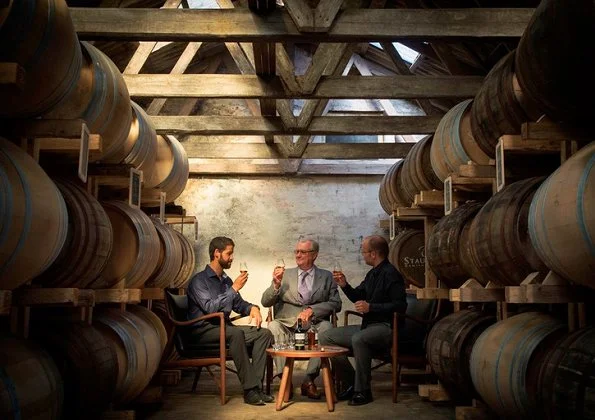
(384, 289)
(207, 294)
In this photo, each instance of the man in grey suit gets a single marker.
(305, 292)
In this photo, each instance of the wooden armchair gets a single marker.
(408, 337)
(195, 355)
(270, 376)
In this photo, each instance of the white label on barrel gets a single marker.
(162, 196)
(134, 189)
(500, 178)
(447, 196)
(84, 153)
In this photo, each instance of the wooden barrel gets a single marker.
(87, 363)
(566, 379)
(153, 320)
(417, 173)
(501, 361)
(446, 243)
(407, 254)
(555, 58)
(30, 384)
(38, 35)
(33, 218)
(453, 143)
(390, 192)
(562, 218)
(89, 241)
(144, 138)
(135, 251)
(137, 346)
(496, 110)
(499, 243)
(449, 348)
(101, 99)
(188, 262)
(170, 174)
(170, 256)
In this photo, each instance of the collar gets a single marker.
(381, 265)
(310, 271)
(211, 273)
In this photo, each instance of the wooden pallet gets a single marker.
(433, 392)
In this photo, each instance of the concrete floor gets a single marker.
(180, 404)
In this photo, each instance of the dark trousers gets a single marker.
(363, 343)
(241, 339)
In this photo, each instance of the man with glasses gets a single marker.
(380, 294)
(305, 292)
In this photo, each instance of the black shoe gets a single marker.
(252, 397)
(346, 395)
(361, 398)
(266, 397)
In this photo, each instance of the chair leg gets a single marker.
(270, 373)
(196, 376)
(223, 381)
(395, 374)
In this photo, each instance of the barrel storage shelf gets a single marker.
(5, 302)
(12, 74)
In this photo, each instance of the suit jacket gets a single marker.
(286, 301)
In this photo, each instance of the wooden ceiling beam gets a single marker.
(340, 87)
(345, 151)
(262, 126)
(350, 25)
(229, 167)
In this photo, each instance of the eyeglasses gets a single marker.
(299, 251)
(366, 252)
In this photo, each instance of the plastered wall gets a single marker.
(265, 216)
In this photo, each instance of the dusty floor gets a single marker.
(180, 404)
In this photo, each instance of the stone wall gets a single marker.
(265, 216)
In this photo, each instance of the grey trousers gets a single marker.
(240, 338)
(281, 333)
(363, 343)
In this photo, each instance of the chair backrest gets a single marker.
(412, 335)
(177, 306)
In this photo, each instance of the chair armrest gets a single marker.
(346, 316)
(416, 319)
(221, 315)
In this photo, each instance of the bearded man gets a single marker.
(212, 290)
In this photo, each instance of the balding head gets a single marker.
(378, 244)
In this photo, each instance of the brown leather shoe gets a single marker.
(309, 390)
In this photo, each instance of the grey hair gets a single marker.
(315, 246)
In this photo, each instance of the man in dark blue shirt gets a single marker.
(380, 294)
(212, 291)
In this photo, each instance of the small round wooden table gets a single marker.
(324, 352)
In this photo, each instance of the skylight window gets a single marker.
(408, 54)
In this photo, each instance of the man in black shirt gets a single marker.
(380, 294)
(212, 291)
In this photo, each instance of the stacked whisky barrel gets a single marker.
(54, 233)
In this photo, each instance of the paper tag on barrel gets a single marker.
(134, 190)
(84, 153)
(448, 196)
(500, 178)
(162, 196)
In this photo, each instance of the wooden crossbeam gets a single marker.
(351, 25)
(313, 150)
(340, 87)
(235, 167)
(259, 126)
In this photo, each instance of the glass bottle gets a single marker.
(299, 336)
(312, 337)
